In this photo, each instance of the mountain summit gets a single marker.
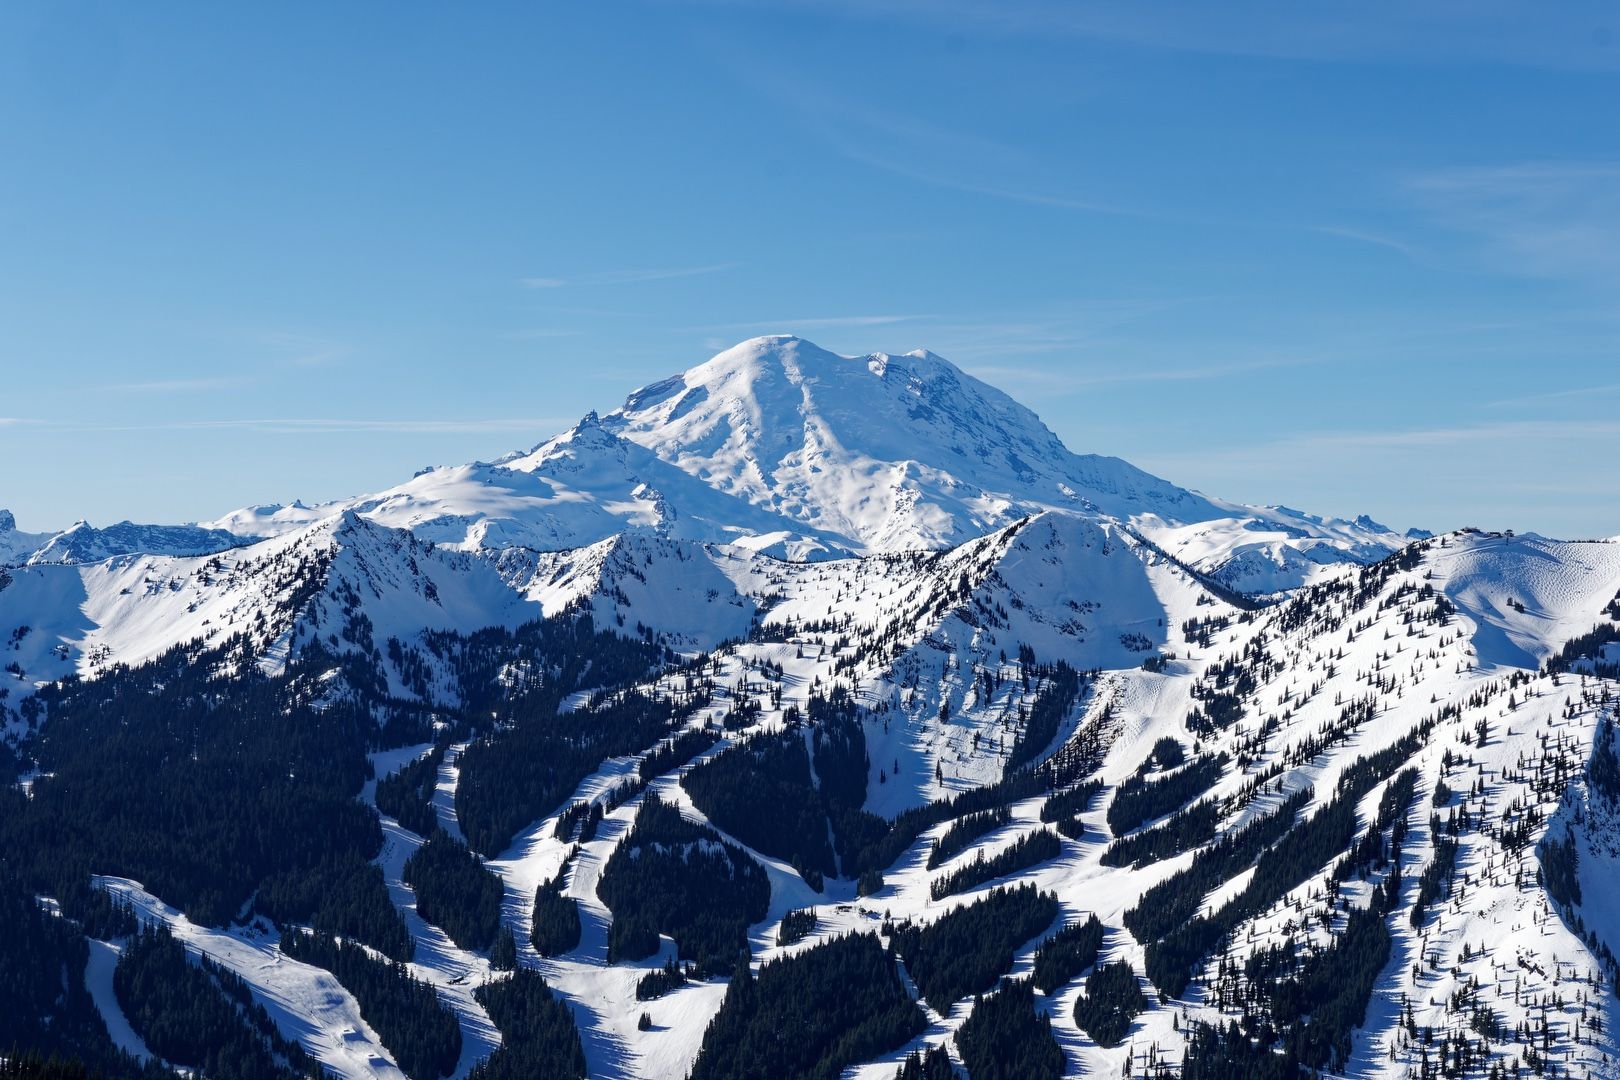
(893, 452)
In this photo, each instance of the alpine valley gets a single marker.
(808, 715)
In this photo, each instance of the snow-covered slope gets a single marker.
(636, 582)
(85, 543)
(1528, 596)
(1407, 654)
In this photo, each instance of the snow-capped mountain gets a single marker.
(782, 447)
(906, 452)
(1342, 802)
(895, 452)
(785, 448)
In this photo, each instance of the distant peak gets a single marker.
(8, 522)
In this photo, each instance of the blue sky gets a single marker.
(1352, 266)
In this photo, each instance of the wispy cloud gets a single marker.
(626, 277)
(1556, 395)
(789, 326)
(398, 427)
(1448, 474)
(1548, 219)
(1410, 31)
(922, 152)
(323, 356)
(1297, 450)
(542, 335)
(1075, 328)
(1559, 430)
(995, 191)
(1064, 381)
(930, 155)
(281, 347)
(1362, 236)
(342, 426)
(178, 386)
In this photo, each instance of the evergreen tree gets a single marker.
(1005, 1039)
(673, 876)
(504, 956)
(965, 950)
(1067, 953)
(810, 1015)
(1113, 998)
(455, 891)
(539, 1040)
(557, 927)
(931, 1064)
(47, 1017)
